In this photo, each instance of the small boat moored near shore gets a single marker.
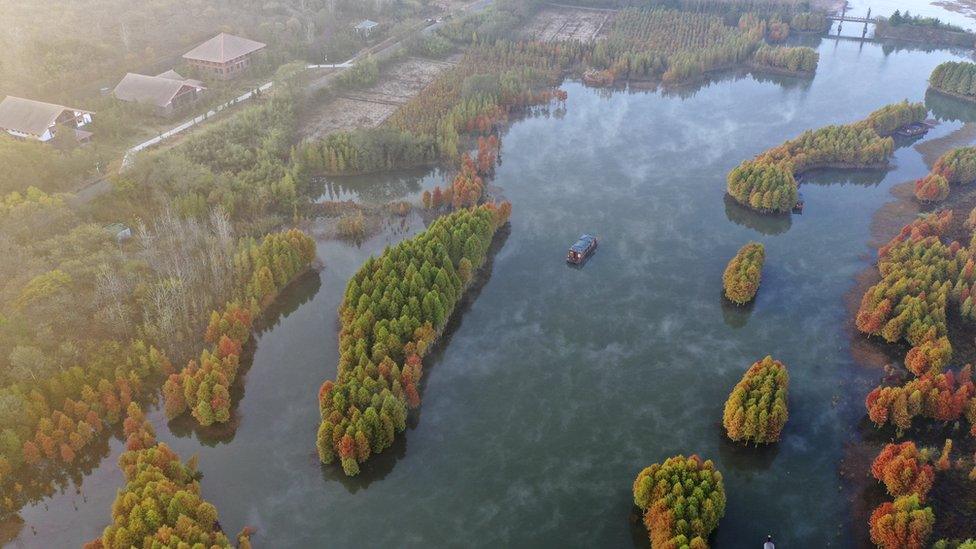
(914, 129)
(582, 249)
(798, 207)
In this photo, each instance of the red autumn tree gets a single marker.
(929, 357)
(932, 188)
(943, 462)
(903, 470)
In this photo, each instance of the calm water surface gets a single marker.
(558, 384)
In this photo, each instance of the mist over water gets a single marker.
(558, 385)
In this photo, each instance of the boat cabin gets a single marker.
(914, 129)
(582, 249)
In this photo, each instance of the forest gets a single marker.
(261, 272)
(393, 311)
(682, 500)
(955, 167)
(921, 278)
(483, 90)
(498, 77)
(810, 22)
(955, 78)
(756, 410)
(742, 275)
(467, 188)
(767, 183)
(30, 164)
(673, 45)
(908, 474)
(207, 259)
(160, 504)
(88, 324)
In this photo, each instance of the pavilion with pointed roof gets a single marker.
(224, 56)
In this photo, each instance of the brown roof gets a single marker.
(154, 90)
(223, 48)
(29, 116)
(171, 74)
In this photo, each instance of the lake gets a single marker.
(557, 385)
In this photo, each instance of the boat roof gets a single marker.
(583, 243)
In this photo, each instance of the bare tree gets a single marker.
(112, 290)
(194, 266)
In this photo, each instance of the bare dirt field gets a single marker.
(371, 107)
(965, 7)
(557, 24)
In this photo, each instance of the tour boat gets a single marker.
(582, 249)
(914, 129)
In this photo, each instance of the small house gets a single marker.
(167, 93)
(40, 121)
(224, 56)
(365, 28)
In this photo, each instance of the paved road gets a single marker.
(127, 159)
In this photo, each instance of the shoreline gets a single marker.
(840, 166)
(886, 359)
(753, 66)
(952, 94)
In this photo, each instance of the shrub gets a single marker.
(364, 73)
(352, 226)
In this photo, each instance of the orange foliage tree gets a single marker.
(901, 524)
(903, 470)
(942, 397)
